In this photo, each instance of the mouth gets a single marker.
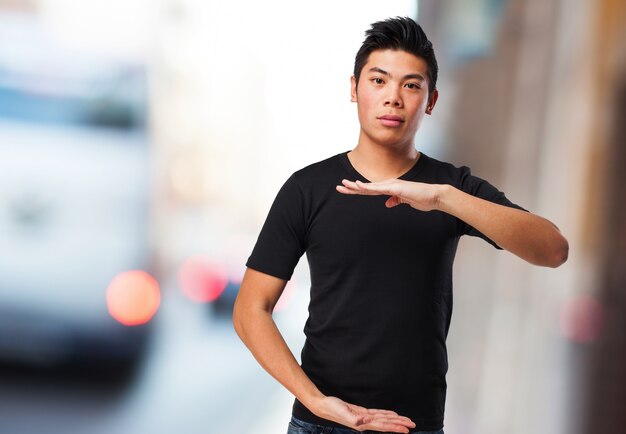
(390, 120)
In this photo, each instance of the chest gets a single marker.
(348, 226)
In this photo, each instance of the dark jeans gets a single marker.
(297, 426)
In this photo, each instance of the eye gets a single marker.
(413, 86)
(377, 80)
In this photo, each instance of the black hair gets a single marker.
(400, 33)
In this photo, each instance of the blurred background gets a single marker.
(141, 145)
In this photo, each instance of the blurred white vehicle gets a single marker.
(74, 197)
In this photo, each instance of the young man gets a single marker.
(381, 274)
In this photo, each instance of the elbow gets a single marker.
(237, 318)
(559, 254)
(245, 316)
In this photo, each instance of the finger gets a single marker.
(354, 185)
(351, 188)
(387, 181)
(371, 412)
(383, 187)
(345, 190)
(380, 411)
(395, 418)
(391, 417)
(379, 419)
(363, 188)
(382, 423)
(384, 427)
(376, 411)
(387, 427)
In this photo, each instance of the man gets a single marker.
(381, 274)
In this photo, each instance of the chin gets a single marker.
(393, 141)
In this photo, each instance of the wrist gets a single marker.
(314, 402)
(442, 195)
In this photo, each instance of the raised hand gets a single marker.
(360, 418)
(421, 196)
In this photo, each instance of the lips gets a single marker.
(390, 120)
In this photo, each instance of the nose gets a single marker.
(393, 98)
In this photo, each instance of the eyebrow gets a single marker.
(416, 76)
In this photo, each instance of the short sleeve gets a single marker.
(480, 188)
(281, 241)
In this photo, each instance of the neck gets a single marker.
(377, 162)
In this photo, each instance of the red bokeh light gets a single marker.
(133, 297)
(582, 318)
(202, 279)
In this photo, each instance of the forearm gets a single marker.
(259, 333)
(531, 237)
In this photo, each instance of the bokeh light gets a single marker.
(582, 318)
(133, 297)
(202, 279)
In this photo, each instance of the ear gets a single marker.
(431, 102)
(352, 88)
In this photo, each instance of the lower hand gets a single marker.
(360, 418)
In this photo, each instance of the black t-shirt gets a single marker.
(381, 285)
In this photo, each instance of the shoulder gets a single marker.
(313, 179)
(327, 165)
(462, 178)
(328, 169)
(445, 171)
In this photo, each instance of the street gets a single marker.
(198, 377)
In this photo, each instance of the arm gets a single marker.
(253, 322)
(529, 236)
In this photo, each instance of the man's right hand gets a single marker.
(360, 418)
(252, 318)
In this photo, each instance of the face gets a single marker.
(392, 97)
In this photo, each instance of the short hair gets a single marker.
(399, 33)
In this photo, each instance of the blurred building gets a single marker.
(540, 114)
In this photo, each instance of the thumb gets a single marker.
(392, 201)
(364, 420)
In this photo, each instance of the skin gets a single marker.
(390, 83)
(386, 152)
